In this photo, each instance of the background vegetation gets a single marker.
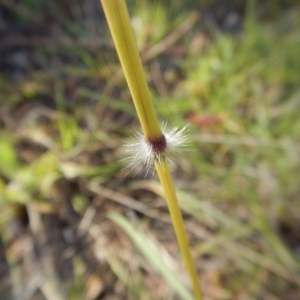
(75, 225)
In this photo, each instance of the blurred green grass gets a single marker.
(62, 129)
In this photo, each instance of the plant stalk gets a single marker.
(119, 23)
(165, 178)
(120, 27)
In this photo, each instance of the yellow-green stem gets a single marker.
(163, 172)
(121, 30)
(120, 27)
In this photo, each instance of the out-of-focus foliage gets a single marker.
(65, 111)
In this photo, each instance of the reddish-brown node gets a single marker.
(158, 145)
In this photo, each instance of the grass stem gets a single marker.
(163, 172)
(121, 30)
